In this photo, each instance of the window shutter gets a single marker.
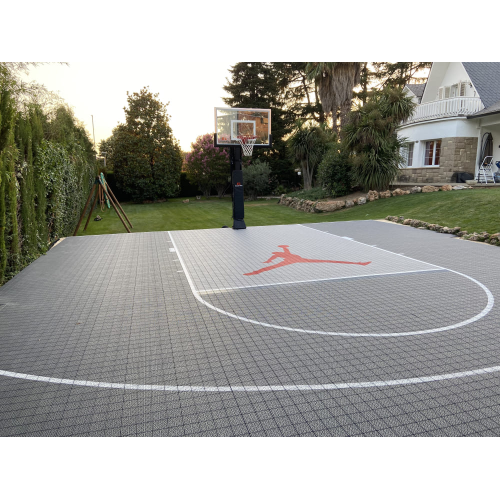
(440, 93)
(447, 92)
(463, 89)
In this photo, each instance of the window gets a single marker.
(457, 90)
(432, 152)
(409, 155)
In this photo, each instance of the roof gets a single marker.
(485, 77)
(418, 90)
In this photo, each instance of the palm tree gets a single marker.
(335, 82)
(371, 137)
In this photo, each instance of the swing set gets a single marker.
(105, 196)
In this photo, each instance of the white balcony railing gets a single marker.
(454, 106)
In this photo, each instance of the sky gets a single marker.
(99, 89)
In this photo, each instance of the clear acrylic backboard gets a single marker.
(232, 124)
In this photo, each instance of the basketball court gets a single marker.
(331, 329)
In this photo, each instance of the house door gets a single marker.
(486, 146)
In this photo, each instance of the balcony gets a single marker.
(445, 108)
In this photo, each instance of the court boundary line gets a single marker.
(468, 321)
(209, 290)
(251, 388)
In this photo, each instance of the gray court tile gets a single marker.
(114, 309)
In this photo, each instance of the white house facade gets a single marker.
(457, 106)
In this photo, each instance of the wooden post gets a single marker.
(91, 211)
(85, 209)
(108, 189)
(117, 212)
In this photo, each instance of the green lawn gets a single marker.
(472, 210)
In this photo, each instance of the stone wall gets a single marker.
(484, 237)
(458, 154)
(334, 205)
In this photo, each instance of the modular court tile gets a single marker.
(332, 329)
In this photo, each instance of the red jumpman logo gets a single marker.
(291, 258)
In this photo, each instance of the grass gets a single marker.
(472, 210)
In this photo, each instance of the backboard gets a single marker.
(231, 123)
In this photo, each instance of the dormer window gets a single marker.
(457, 90)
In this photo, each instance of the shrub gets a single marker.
(313, 194)
(256, 178)
(334, 172)
(208, 167)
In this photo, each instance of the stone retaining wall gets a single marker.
(492, 239)
(334, 205)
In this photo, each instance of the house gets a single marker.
(456, 108)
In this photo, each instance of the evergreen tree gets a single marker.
(399, 74)
(260, 85)
(146, 157)
(299, 94)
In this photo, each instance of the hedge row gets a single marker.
(47, 167)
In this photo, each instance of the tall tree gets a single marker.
(258, 85)
(299, 94)
(399, 74)
(146, 157)
(336, 82)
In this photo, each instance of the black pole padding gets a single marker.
(238, 194)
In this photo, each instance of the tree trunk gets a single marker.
(322, 117)
(335, 122)
(221, 189)
(306, 175)
(344, 111)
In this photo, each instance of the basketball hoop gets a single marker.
(247, 142)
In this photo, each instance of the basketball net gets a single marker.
(247, 143)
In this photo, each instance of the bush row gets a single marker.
(47, 167)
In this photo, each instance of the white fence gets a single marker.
(455, 106)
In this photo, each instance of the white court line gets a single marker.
(268, 388)
(214, 290)
(483, 313)
(252, 388)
